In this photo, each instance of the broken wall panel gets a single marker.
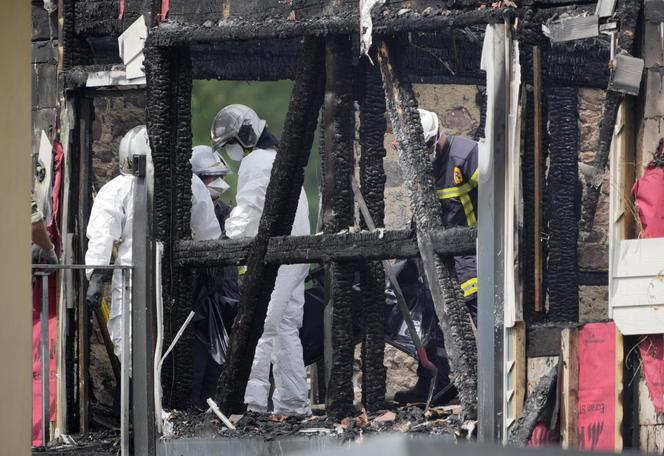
(563, 196)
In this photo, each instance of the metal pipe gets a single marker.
(45, 365)
(125, 319)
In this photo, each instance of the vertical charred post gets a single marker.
(449, 304)
(628, 12)
(182, 277)
(159, 116)
(563, 191)
(281, 201)
(68, 34)
(338, 165)
(372, 279)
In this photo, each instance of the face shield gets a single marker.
(217, 187)
(235, 151)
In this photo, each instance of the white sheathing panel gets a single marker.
(637, 286)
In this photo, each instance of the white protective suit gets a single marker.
(112, 221)
(204, 224)
(280, 343)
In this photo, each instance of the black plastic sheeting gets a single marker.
(563, 192)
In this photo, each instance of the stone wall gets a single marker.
(115, 113)
(594, 251)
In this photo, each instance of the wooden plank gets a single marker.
(569, 388)
(515, 375)
(538, 170)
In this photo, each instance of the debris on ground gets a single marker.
(410, 419)
(98, 443)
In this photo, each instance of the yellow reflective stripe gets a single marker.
(105, 311)
(475, 178)
(468, 209)
(455, 192)
(469, 287)
(242, 270)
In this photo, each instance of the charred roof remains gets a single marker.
(316, 43)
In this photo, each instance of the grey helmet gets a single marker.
(134, 142)
(236, 123)
(206, 162)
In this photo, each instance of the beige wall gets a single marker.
(15, 321)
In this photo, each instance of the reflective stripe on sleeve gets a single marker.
(469, 287)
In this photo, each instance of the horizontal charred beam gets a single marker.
(374, 245)
(235, 29)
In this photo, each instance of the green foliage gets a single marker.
(270, 100)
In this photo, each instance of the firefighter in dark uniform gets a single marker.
(456, 175)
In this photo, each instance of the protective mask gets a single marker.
(217, 187)
(235, 151)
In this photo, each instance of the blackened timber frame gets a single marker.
(365, 245)
(169, 79)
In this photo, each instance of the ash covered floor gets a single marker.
(441, 421)
(101, 443)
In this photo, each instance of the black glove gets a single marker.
(95, 289)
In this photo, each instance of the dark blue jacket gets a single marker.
(456, 175)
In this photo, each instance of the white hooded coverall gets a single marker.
(280, 343)
(112, 221)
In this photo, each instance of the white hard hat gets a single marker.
(134, 142)
(429, 124)
(206, 162)
(236, 122)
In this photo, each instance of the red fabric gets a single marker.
(121, 16)
(597, 386)
(652, 354)
(543, 437)
(165, 6)
(54, 227)
(36, 356)
(649, 194)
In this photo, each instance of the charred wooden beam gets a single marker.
(245, 29)
(159, 115)
(628, 13)
(281, 202)
(563, 185)
(182, 301)
(338, 210)
(168, 119)
(372, 279)
(449, 304)
(533, 409)
(365, 245)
